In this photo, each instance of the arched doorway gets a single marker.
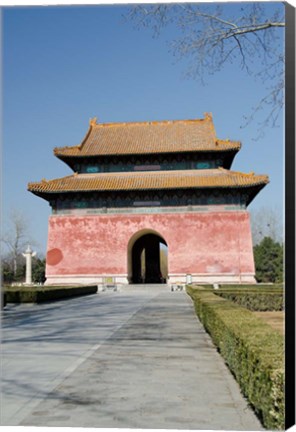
(148, 261)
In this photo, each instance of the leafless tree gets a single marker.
(211, 36)
(266, 222)
(16, 238)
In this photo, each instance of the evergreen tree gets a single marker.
(7, 273)
(38, 270)
(268, 255)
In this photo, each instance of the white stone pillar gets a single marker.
(28, 255)
(188, 279)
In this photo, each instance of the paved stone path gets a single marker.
(131, 359)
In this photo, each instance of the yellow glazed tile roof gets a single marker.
(127, 181)
(149, 137)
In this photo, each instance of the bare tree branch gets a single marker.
(211, 36)
(16, 238)
(266, 222)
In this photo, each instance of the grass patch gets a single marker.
(275, 319)
(252, 350)
(38, 294)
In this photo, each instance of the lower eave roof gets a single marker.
(149, 180)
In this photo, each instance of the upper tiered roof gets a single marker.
(156, 137)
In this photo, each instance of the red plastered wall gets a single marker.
(212, 242)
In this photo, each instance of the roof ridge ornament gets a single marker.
(208, 116)
(93, 121)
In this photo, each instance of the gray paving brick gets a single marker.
(126, 359)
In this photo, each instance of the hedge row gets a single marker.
(41, 294)
(255, 301)
(252, 350)
(243, 287)
(272, 288)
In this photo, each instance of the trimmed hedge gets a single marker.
(243, 287)
(255, 301)
(252, 350)
(270, 288)
(39, 294)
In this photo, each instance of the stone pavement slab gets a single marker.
(42, 344)
(154, 368)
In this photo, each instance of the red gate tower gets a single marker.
(150, 202)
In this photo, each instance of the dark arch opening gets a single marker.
(149, 260)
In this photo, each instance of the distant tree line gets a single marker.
(38, 270)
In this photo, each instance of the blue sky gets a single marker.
(63, 65)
